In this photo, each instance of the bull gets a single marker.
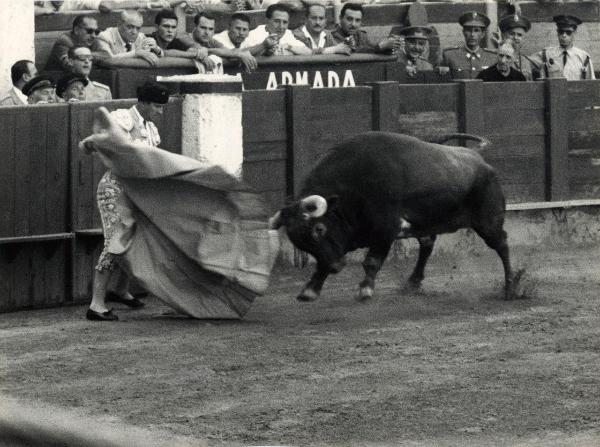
(377, 187)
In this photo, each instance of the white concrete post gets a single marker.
(212, 119)
(18, 28)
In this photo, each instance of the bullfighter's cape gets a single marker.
(199, 238)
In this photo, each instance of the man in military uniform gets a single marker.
(349, 32)
(415, 44)
(465, 62)
(40, 90)
(565, 60)
(513, 28)
(81, 65)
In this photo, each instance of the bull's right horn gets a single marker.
(313, 206)
(275, 221)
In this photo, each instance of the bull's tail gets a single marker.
(483, 142)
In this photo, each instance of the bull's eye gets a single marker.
(319, 230)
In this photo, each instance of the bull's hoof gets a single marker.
(412, 286)
(307, 295)
(365, 293)
(516, 289)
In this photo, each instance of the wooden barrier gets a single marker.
(545, 147)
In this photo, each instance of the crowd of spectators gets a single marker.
(76, 52)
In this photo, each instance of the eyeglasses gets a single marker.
(568, 32)
(91, 31)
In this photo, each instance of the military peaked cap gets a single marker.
(514, 21)
(473, 18)
(416, 32)
(153, 92)
(566, 20)
(37, 83)
(63, 83)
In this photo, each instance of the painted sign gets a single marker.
(316, 79)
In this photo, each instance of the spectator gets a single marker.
(292, 5)
(203, 36)
(126, 40)
(237, 33)
(197, 6)
(275, 38)
(465, 62)
(415, 44)
(53, 7)
(513, 28)
(40, 90)
(504, 69)
(81, 65)
(20, 72)
(84, 32)
(565, 60)
(314, 35)
(349, 31)
(166, 38)
(71, 88)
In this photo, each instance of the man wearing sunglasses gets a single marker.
(84, 32)
(565, 60)
(81, 65)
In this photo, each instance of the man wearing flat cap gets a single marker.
(111, 282)
(465, 62)
(415, 44)
(71, 87)
(565, 60)
(40, 90)
(513, 28)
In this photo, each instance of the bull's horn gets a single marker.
(317, 202)
(275, 221)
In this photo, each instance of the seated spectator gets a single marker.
(514, 28)
(504, 69)
(40, 90)
(84, 32)
(275, 38)
(166, 38)
(314, 35)
(203, 37)
(292, 5)
(235, 36)
(193, 7)
(71, 88)
(415, 44)
(81, 65)
(348, 31)
(53, 7)
(126, 40)
(20, 72)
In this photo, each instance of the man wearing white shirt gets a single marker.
(126, 40)
(314, 35)
(275, 38)
(235, 36)
(565, 60)
(20, 72)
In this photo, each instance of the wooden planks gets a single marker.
(428, 97)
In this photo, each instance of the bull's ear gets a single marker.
(332, 201)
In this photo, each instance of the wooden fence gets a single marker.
(545, 138)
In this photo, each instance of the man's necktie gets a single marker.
(128, 46)
(565, 55)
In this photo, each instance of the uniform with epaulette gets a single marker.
(362, 43)
(95, 91)
(466, 63)
(411, 59)
(521, 62)
(566, 61)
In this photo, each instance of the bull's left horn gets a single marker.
(275, 221)
(317, 203)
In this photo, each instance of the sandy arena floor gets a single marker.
(453, 365)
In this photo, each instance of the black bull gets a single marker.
(377, 187)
